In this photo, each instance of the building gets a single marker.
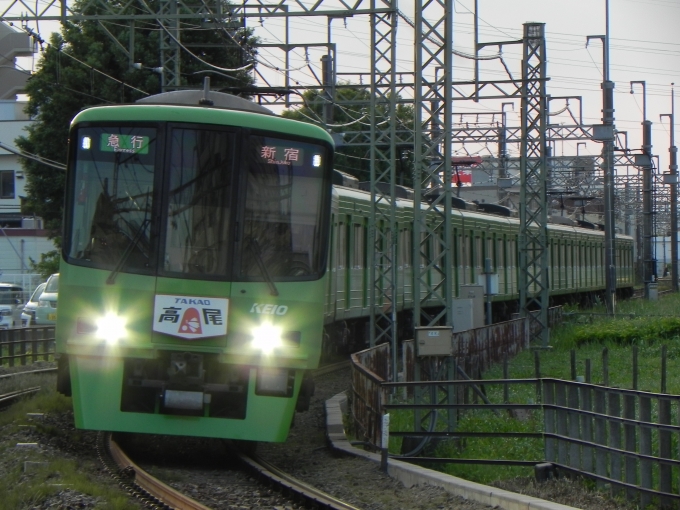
(21, 238)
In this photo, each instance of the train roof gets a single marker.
(200, 114)
(358, 194)
(203, 98)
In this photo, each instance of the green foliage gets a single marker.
(350, 115)
(640, 329)
(623, 331)
(77, 70)
(48, 264)
(511, 448)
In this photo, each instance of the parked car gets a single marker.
(28, 313)
(46, 313)
(11, 297)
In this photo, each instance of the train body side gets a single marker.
(576, 256)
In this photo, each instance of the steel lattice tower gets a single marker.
(533, 238)
(432, 232)
(170, 58)
(383, 229)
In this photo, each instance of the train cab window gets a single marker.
(108, 221)
(284, 200)
(199, 202)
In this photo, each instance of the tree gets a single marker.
(77, 70)
(350, 115)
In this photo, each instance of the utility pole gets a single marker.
(605, 133)
(673, 182)
(648, 262)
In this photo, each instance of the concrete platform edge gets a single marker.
(411, 475)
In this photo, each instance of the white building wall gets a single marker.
(13, 122)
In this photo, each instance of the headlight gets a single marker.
(43, 303)
(111, 328)
(266, 338)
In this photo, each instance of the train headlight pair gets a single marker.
(110, 327)
(267, 338)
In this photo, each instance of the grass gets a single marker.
(639, 325)
(29, 476)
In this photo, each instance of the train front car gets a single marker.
(192, 276)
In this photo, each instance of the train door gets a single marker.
(356, 270)
(501, 265)
(341, 267)
(332, 258)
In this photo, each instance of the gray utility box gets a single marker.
(468, 310)
(434, 341)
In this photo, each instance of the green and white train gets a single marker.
(205, 250)
(576, 270)
(192, 274)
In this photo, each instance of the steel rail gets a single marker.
(154, 487)
(333, 367)
(28, 372)
(8, 399)
(280, 478)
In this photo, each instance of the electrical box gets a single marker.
(493, 282)
(462, 315)
(434, 341)
(468, 311)
(603, 133)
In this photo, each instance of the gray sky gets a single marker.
(644, 45)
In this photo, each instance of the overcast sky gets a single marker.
(644, 45)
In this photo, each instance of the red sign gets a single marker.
(461, 177)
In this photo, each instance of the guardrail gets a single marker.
(22, 346)
(624, 439)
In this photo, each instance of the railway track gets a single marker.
(10, 398)
(257, 475)
(155, 494)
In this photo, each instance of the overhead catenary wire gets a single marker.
(33, 157)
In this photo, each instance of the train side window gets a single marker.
(405, 247)
(342, 246)
(358, 252)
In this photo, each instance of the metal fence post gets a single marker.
(549, 421)
(600, 434)
(615, 439)
(645, 449)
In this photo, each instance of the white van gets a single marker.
(11, 299)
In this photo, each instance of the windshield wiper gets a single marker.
(254, 247)
(128, 250)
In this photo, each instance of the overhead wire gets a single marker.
(33, 157)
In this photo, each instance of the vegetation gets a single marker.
(87, 64)
(640, 326)
(349, 116)
(30, 476)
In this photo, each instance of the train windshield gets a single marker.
(112, 202)
(199, 202)
(226, 204)
(283, 209)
